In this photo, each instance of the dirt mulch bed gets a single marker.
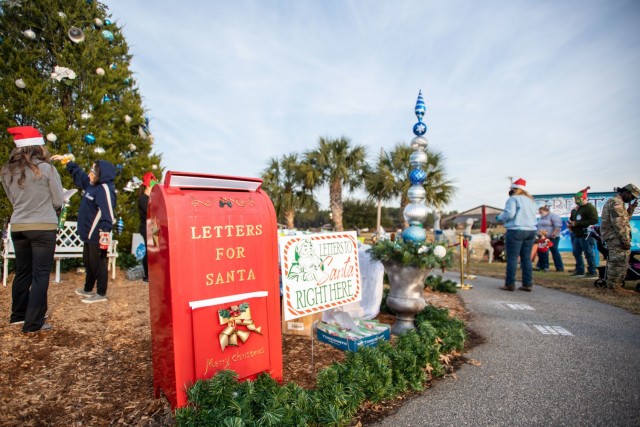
(94, 368)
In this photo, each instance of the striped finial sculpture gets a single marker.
(415, 213)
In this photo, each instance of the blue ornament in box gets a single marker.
(417, 176)
(108, 35)
(120, 225)
(127, 81)
(89, 138)
(114, 66)
(419, 129)
(106, 98)
(414, 233)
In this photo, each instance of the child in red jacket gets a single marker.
(544, 244)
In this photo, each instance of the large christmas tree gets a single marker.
(64, 69)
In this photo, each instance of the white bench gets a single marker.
(68, 245)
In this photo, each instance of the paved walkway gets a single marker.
(550, 359)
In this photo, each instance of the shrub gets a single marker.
(371, 373)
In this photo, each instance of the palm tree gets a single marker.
(380, 184)
(439, 188)
(336, 163)
(283, 180)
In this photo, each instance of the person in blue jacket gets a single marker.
(519, 218)
(95, 222)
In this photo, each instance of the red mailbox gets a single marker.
(213, 281)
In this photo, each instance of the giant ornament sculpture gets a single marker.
(415, 213)
(405, 296)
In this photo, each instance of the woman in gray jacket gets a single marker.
(35, 191)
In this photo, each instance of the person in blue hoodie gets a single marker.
(95, 222)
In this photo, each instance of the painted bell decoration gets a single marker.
(133, 184)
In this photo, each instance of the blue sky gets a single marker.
(544, 90)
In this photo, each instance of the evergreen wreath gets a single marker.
(420, 255)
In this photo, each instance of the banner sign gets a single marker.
(319, 272)
(561, 205)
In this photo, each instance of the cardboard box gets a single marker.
(368, 333)
(302, 326)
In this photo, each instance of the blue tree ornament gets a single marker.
(89, 138)
(120, 225)
(108, 35)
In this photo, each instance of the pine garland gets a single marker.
(370, 374)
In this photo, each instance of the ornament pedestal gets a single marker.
(406, 297)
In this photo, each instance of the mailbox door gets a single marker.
(239, 342)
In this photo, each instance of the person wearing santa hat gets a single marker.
(519, 218)
(581, 217)
(148, 181)
(34, 189)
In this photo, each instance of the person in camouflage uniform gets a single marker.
(616, 232)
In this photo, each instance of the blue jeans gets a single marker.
(518, 243)
(586, 246)
(555, 253)
(543, 260)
